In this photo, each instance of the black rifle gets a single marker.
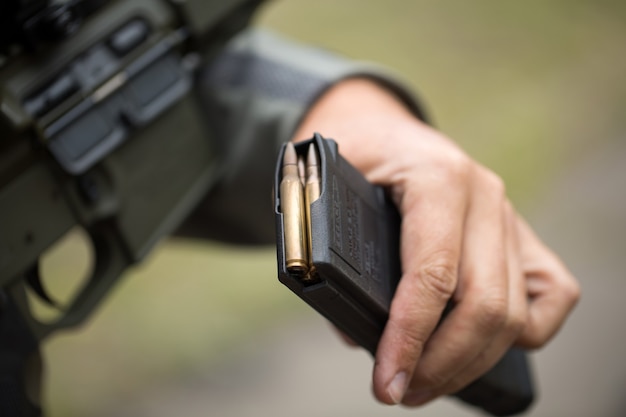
(100, 129)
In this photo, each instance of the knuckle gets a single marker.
(572, 291)
(459, 165)
(491, 314)
(439, 276)
(452, 166)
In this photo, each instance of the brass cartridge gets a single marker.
(292, 206)
(311, 193)
(312, 189)
(302, 170)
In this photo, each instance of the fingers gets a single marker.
(491, 306)
(487, 348)
(465, 241)
(432, 233)
(553, 291)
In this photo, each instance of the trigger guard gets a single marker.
(34, 281)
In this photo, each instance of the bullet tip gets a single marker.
(290, 157)
(311, 158)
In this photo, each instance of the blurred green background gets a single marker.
(530, 88)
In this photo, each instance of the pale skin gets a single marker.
(460, 239)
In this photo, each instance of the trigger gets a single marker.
(33, 278)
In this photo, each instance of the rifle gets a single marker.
(101, 130)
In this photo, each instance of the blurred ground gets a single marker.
(533, 89)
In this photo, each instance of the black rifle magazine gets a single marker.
(354, 234)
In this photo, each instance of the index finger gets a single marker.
(431, 241)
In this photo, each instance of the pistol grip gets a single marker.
(20, 367)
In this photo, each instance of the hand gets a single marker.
(461, 240)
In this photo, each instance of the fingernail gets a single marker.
(397, 387)
(417, 397)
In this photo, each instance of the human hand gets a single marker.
(461, 240)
